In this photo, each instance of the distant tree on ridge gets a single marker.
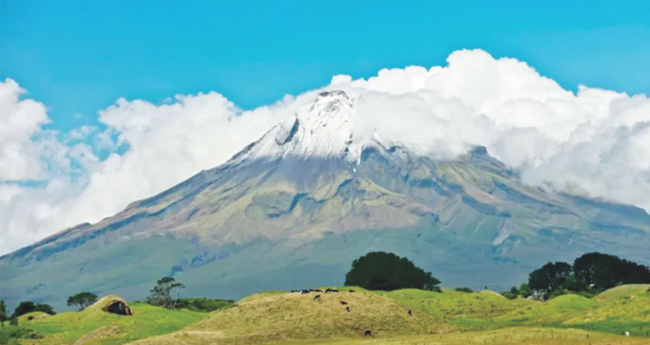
(82, 300)
(165, 293)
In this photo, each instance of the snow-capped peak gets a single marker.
(323, 128)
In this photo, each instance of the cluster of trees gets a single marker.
(22, 309)
(590, 274)
(387, 272)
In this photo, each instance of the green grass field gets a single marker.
(282, 318)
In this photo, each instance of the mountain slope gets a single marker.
(297, 206)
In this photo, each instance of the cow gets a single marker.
(317, 297)
(319, 290)
(351, 291)
(304, 292)
(335, 290)
(367, 333)
(347, 309)
(343, 303)
(328, 290)
(410, 312)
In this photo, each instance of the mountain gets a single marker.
(294, 208)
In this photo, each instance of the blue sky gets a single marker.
(78, 57)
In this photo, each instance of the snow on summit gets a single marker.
(324, 127)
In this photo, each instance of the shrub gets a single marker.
(463, 289)
(204, 304)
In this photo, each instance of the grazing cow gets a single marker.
(328, 290)
(304, 292)
(347, 309)
(335, 290)
(367, 333)
(351, 290)
(343, 303)
(319, 290)
(410, 312)
(317, 297)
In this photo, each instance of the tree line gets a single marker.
(590, 274)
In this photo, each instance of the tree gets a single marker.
(387, 272)
(525, 291)
(575, 284)
(165, 293)
(14, 321)
(3, 313)
(29, 306)
(24, 308)
(604, 271)
(549, 277)
(82, 300)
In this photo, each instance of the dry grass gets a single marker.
(507, 336)
(279, 316)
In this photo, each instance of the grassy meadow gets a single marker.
(283, 318)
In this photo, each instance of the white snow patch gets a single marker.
(325, 127)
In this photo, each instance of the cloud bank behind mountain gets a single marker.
(594, 142)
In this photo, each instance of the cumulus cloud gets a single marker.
(592, 140)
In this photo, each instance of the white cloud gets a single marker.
(20, 120)
(595, 140)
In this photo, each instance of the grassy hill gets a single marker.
(279, 316)
(94, 326)
(450, 317)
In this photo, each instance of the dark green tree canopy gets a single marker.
(82, 300)
(29, 306)
(165, 293)
(387, 272)
(592, 272)
(605, 271)
(549, 277)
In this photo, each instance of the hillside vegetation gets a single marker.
(94, 326)
(450, 317)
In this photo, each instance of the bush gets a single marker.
(204, 304)
(10, 335)
(463, 289)
(388, 272)
(556, 293)
(525, 291)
